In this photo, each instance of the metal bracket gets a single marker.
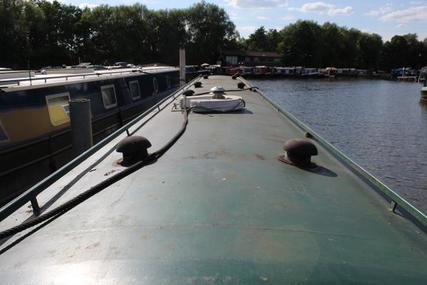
(393, 206)
(35, 206)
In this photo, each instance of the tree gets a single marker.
(44, 33)
(370, 50)
(210, 31)
(262, 40)
(300, 44)
(258, 41)
(12, 34)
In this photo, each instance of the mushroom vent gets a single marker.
(299, 152)
(198, 84)
(218, 92)
(134, 149)
(241, 85)
(235, 75)
(188, 92)
(205, 76)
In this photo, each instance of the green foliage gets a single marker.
(262, 40)
(210, 31)
(300, 44)
(306, 43)
(52, 33)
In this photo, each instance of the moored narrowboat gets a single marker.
(251, 196)
(34, 115)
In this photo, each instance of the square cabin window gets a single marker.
(58, 108)
(135, 92)
(109, 96)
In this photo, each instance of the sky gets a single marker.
(386, 18)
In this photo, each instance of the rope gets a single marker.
(98, 187)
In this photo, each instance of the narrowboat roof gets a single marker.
(217, 208)
(38, 80)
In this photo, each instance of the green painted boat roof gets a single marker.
(217, 208)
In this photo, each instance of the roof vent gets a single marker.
(134, 149)
(241, 85)
(218, 92)
(188, 92)
(299, 152)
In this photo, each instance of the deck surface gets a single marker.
(219, 208)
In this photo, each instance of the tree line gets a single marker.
(41, 33)
(307, 43)
(37, 33)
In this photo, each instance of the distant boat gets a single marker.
(404, 74)
(423, 74)
(424, 92)
(329, 72)
(308, 72)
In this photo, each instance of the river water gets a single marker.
(379, 124)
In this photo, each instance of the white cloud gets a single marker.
(261, 17)
(88, 5)
(340, 11)
(412, 14)
(246, 30)
(257, 3)
(316, 7)
(380, 11)
(288, 18)
(324, 8)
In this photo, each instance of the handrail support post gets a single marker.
(393, 206)
(35, 206)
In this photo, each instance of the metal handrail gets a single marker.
(66, 76)
(30, 194)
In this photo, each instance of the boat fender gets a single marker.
(134, 149)
(299, 153)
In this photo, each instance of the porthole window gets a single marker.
(109, 99)
(58, 107)
(135, 91)
(155, 86)
(3, 134)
